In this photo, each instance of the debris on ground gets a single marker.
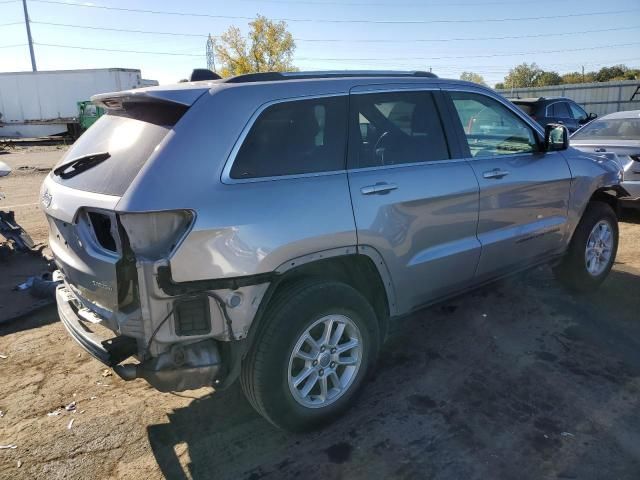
(55, 413)
(19, 463)
(70, 424)
(1, 414)
(107, 373)
(3, 357)
(11, 446)
(43, 286)
(71, 407)
(567, 434)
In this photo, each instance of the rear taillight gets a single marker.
(155, 235)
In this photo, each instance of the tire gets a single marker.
(574, 270)
(271, 368)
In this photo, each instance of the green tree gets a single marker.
(269, 47)
(577, 77)
(523, 75)
(499, 86)
(548, 78)
(606, 74)
(472, 77)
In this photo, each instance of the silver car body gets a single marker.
(442, 227)
(623, 150)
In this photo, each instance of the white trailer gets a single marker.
(50, 98)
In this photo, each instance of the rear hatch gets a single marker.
(80, 196)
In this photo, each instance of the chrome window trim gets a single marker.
(412, 164)
(226, 171)
(510, 106)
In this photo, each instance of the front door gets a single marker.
(413, 200)
(524, 192)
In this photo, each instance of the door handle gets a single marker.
(378, 188)
(495, 173)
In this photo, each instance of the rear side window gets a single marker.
(395, 128)
(559, 110)
(291, 138)
(491, 129)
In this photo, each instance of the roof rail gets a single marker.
(280, 76)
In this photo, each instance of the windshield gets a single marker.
(129, 143)
(610, 129)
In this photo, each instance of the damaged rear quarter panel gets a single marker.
(245, 228)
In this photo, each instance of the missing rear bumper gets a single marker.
(182, 367)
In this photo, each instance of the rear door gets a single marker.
(524, 192)
(414, 200)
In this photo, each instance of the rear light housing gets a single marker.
(156, 235)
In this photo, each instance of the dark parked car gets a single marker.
(555, 110)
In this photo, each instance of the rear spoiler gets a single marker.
(177, 96)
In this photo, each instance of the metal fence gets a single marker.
(600, 98)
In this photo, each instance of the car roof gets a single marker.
(626, 114)
(538, 99)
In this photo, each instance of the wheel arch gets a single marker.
(361, 267)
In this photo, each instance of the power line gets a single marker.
(12, 23)
(317, 20)
(377, 59)
(331, 40)
(117, 50)
(477, 56)
(386, 4)
(15, 45)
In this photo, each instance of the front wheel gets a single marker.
(311, 358)
(592, 250)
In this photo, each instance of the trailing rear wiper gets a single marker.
(80, 164)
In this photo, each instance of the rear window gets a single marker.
(129, 141)
(290, 138)
(610, 129)
(528, 108)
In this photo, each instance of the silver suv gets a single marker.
(270, 227)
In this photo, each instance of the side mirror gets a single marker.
(4, 169)
(556, 137)
(591, 116)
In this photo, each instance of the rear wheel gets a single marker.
(312, 356)
(592, 250)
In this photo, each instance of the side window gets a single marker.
(491, 128)
(577, 112)
(288, 138)
(395, 128)
(561, 110)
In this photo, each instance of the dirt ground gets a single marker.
(518, 380)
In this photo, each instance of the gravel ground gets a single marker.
(517, 380)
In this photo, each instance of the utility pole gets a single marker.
(582, 73)
(26, 22)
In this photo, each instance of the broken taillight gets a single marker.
(155, 235)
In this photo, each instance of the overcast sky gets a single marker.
(448, 37)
